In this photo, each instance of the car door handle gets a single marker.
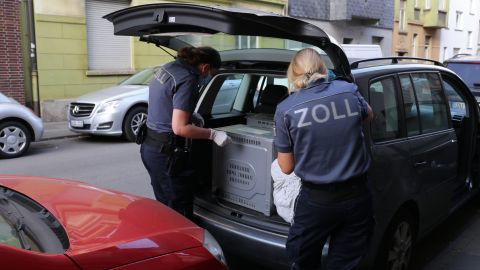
(420, 163)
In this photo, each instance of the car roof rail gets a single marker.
(394, 60)
(461, 54)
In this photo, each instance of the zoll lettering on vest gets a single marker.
(322, 113)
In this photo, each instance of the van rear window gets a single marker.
(468, 72)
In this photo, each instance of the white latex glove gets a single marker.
(219, 137)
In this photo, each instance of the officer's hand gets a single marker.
(219, 137)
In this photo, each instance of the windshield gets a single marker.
(26, 224)
(224, 42)
(141, 78)
(468, 72)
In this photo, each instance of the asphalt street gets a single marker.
(114, 164)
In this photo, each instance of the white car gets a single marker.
(114, 111)
(18, 127)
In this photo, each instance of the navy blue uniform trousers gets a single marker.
(174, 191)
(342, 213)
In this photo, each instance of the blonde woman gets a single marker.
(319, 137)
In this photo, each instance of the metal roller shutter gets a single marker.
(105, 51)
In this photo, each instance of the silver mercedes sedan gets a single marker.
(19, 126)
(115, 111)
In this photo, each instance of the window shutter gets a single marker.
(105, 51)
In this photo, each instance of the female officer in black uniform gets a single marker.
(172, 96)
(319, 136)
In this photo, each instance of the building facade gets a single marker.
(350, 21)
(462, 32)
(11, 52)
(77, 52)
(417, 27)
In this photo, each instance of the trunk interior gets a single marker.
(231, 99)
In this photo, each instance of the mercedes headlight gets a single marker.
(477, 98)
(109, 106)
(210, 244)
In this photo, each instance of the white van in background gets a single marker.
(357, 52)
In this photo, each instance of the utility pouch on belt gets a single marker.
(177, 160)
(175, 147)
(142, 133)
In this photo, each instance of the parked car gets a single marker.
(423, 138)
(120, 110)
(50, 223)
(19, 126)
(114, 111)
(468, 68)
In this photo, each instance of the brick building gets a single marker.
(11, 55)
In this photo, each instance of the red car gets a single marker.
(57, 224)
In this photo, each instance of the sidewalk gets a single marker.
(57, 130)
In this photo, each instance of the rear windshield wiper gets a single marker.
(10, 213)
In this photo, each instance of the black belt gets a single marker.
(336, 186)
(158, 138)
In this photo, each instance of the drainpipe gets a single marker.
(33, 53)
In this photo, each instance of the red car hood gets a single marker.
(107, 228)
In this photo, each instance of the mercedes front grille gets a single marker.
(81, 109)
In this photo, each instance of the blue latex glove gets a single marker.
(331, 75)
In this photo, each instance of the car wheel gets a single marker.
(14, 139)
(132, 122)
(397, 245)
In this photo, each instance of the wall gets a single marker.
(360, 34)
(63, 54)
(403, 41)
(11, 57)
(355, 19)
(452, 37)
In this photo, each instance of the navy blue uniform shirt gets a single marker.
(322, 126)
(174, 86)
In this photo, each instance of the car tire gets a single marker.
(15, 139)
(132, 121)
(397, 245)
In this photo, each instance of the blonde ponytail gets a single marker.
(306, 66)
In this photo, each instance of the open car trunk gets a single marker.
(235, 96)
(235, 180)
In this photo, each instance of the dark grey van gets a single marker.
(423, 138)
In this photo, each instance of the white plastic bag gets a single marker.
(285, 191)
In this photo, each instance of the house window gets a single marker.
(456, 51)
(469, 40)
(105, 50)
(445, 53)
(401, 23)
(427, 46)
(442, 5)
(459, 20)
(416, 14)
(246, 42)
(414, 43)
(427, 4)
(478, 32)
(377, 40)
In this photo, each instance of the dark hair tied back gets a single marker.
(200, 55)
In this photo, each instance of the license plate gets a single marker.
(76, 123)
(458, 105)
